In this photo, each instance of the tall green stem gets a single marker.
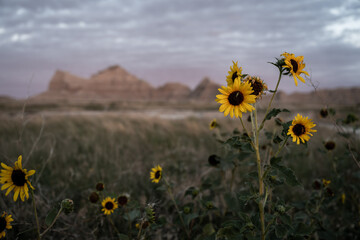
(35, 213)
(272, 98)
(259, 167)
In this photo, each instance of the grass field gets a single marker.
(72, 152)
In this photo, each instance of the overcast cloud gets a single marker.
(178, 41)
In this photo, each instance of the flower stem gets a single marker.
(35, 213)
(139, 233)
(282, 146)
(247, 132)
(259, 168)
(53, 222)
(272, 98)
(112, 224)
(176, 207)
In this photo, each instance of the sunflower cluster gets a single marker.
(240, 93)
(108, 204)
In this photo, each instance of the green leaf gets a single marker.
(225, 233)
(304, 230)
(133, 215)
(189, 217)
(275, 160)
(280, 231)
(274, 112)
(51, 216)
(208, 229)
(285, 219)
(286, 127)
(289, 175)
(123, 236)
(277, 139)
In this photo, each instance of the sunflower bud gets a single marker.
(187, 210)
(209, 205)
(67, 205)
(195, 192)
(281, 209)
(324, 113)
(330, 145)
(214, 160)
(94, 197)
(123, 199)
(316, 185)
(100, 186)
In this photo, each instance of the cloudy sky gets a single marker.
(176, 41)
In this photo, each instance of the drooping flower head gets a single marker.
(16, 178)
(5, 220)
(301, 129)
(295, 66)
(109, 205)
(156, 174)
(258, 86)
(235, 99)
(234, 73)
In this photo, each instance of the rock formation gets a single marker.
(205, 91)
(116, 82)
(172, 92)
(65, 82)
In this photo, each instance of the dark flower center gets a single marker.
(18, 177)
(213, 124)
(157, 174)
(236, 98)
(294, 65)
(257, 87)
(109, 205)
(3, 224)
(122, 200)
(299, 129)
(234, 76)
(323, 113)
(330, 145)
(214, 160)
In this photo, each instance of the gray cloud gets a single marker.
(182, 41)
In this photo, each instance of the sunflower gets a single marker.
(236, 98)
(295, 66)
(234, 73)
(5, 220)
(16, 179)
(257, 85)
(156, 174)
(213, 124)
(109, 205)
(301, 129)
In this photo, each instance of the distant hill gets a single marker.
(115, 83)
